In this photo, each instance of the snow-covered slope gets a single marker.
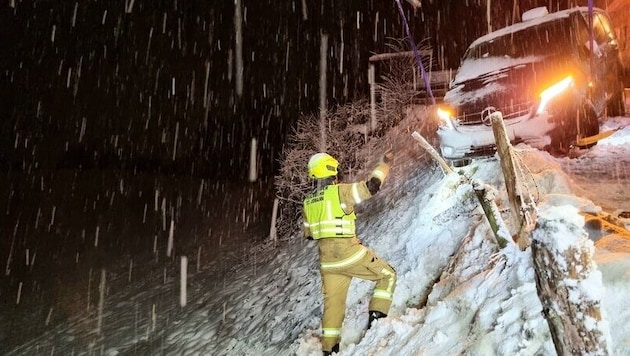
(483, 302)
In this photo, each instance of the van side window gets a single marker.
(602, 29)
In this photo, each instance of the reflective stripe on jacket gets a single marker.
(325, 216)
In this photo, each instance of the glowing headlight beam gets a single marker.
(553, 91)
(445, 117)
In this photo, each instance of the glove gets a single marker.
(387, 157)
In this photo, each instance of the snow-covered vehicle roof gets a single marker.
(529, 23)
(486, 54)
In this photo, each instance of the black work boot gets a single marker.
(334, 349)
(375, 314)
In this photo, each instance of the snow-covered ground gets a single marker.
(268, 301)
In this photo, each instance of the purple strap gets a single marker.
(416, 53)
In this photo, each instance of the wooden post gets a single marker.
(523, 211)
(183, 281)
(492, 214)
(569, 314)
(504, 149)
(238, 46)
(273, 233)
(323, 103)
(372, 82)
(253, 169)
(436, 157)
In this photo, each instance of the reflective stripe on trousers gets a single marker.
(356, 257)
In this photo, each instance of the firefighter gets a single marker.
(329, 219)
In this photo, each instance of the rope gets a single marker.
(416, 52)
(591, 39)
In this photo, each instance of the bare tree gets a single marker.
(350, 137)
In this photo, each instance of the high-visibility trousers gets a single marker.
(336, 278)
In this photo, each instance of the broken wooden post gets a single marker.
(523, 217)
(491, 211)
(565, 273)
(436, 157)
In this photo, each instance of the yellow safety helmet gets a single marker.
(322, 165)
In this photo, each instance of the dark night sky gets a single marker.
(85, 84)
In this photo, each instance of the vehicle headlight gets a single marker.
(553, 91)
(445, 115)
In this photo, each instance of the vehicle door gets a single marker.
(606, 71)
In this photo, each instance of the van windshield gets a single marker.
(548, 38)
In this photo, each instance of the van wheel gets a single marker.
(564, 135)
(589, 126)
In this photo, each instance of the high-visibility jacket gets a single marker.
(325, 216)
(329, 211)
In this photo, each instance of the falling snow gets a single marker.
(138, 149)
